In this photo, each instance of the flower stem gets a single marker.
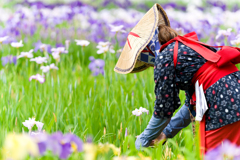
(82, 54)
(140, 119)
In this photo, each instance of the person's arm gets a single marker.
(154, 128)
(178, 122)
(167, 100)
(158, 125)
(181, 120)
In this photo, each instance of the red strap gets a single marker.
(203, 51)
(133, 34)
(190, 40)
(175, 54)
(150, 51)
(192, 36)
(166, 44)
(202, 137)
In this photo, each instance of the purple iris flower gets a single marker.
(126, 132)
(9, 40)
(76, 4)
(59, 144)
(170, 4)
(40, 4)
(53, 143)
(217, 4)
(40, 46)
(201, 8)
(64, 145)
(125, 4)
(215, 153)
(32, 30)
(42, 147)
(105, 3)
(89, 139)
(174, 5)
(143, 7)
(235, 8)
(9, 59)
(224, 150)
(41, 140)
(96, 66)
(59, 45)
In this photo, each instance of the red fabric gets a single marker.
(133, 34)
(215, 137)
(150, 51)
(191, 41)
(230, 54)
(217, 66)
(175, 51)
(209, 73)
(203, 51)
(202, 136)
(191, 35)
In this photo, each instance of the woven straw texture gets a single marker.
(127, 62)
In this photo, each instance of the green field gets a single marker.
(73, 100)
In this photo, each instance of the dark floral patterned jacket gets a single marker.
(223, 97)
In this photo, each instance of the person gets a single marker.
(136, 58)
(208, 76)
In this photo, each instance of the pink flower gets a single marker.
(56, 56)
(224, 33)
(39, 125)
(29, 123)
(143, 110)
(38, 77)
(26, 54)
(48, 68)
(59, 50)
(117, 28)
(138, 112)
(82, 42)
(39, 60)
(2, 39)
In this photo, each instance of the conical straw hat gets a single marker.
(138, 39)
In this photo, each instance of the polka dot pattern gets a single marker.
(223, 97)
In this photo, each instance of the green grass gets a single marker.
(72, 100)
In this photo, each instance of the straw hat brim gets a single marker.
(138, 39)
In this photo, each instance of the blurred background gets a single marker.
(82, 94)
(93, 17)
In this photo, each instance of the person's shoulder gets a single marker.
(168, 47)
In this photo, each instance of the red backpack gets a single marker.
(218, 65)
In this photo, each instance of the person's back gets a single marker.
(178, 68)
(222, 97)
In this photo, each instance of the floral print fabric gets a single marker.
(224, 100)
(223, 97)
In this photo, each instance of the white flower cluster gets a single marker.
(31, 122)
(140, 111)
